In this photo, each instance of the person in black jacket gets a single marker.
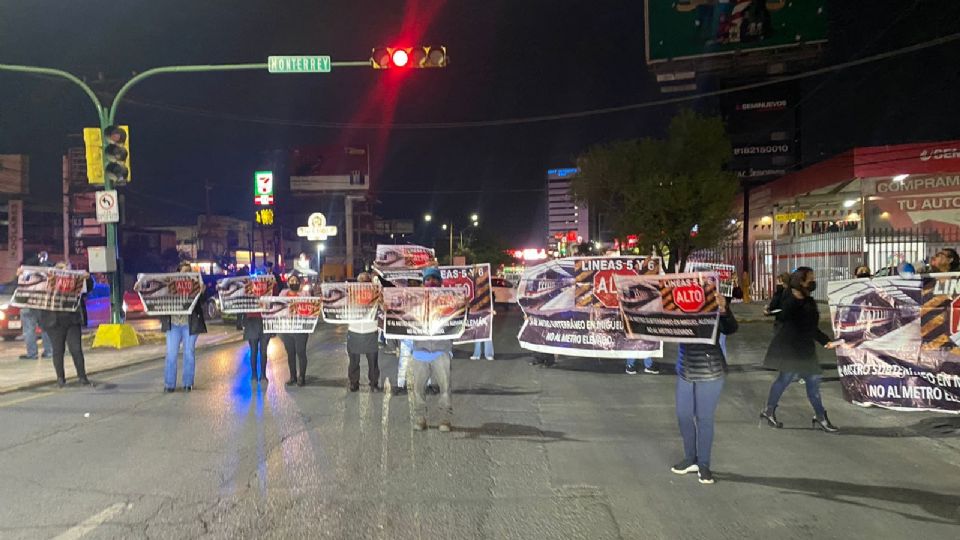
(700, 374)
(182, 329)
(792, 349)
(775, 307)
(64, 328)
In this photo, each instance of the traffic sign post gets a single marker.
(117, 334)
(108, 209)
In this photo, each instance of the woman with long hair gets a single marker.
(792, 351)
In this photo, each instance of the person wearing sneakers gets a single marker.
(484, 347)
(362, 339)
(700, 374)
(649, 366)
(185, 329)
(431, 360)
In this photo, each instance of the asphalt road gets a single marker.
(580, 450)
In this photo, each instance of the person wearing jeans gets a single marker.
(701, 370)
(31, 320)
(182, 329)
(648, 366)
(792, 351)
(484, 347)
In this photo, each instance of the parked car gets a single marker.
(504, 292)
(10, 324)
(97, 301)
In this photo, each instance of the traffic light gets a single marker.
(117, 153)
(93, 146)
(409, 57)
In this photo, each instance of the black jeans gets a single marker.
(64, 337)
(259, 344)
(296, 345)
(373, 368)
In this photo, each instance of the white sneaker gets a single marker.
(474, 357)
(490, 358)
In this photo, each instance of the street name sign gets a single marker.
(298, 64)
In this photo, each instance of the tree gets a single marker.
(674, 193)
(485, 247)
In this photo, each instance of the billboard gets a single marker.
(685, 29)
(14, 172)
(329, 168)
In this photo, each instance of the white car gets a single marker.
(504, 292)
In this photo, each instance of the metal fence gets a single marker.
(833, 255)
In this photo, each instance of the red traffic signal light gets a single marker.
(409, 57)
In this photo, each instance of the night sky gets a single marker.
(510, 58)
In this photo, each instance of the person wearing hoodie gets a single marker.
(701, 369)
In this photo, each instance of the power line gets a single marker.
(553, 117)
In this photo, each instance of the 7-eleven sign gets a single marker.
(263, 183)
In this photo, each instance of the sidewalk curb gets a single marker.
(36, 384)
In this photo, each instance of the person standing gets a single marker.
(258, 342)
(64, 328)
(649, 366)
(792, 350)
(484, 347)
(431, 360)
(945, 260)
(362, 339)
(701, 369)
(183, 329)
(30, 319)
(295, 344)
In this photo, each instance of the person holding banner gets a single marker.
(701, 369)
(295, 344)
(792, 352)
(183, 329)
(257, 340)
(64, 328)
(431, 360)
(362, 339)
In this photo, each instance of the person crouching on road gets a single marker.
(64, 328)
(700, 373)
(362, 339)
(431, 360)
(183, 329)
(295, 344)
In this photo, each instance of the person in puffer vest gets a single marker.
(701, 368)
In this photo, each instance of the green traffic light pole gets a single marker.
(107, 117)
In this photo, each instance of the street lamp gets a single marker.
(428, 218)
(448, 227)
(321, 247)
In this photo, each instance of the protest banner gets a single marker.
(727, 273)
(475, 282)
(241, 294)
(345, 303)
(900, 341)
(52, 289)
(424, 313)
(290, 314)
(680, 308)
(403, 262)
(570, 307)
(169, 294)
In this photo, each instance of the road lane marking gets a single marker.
(91, 523)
